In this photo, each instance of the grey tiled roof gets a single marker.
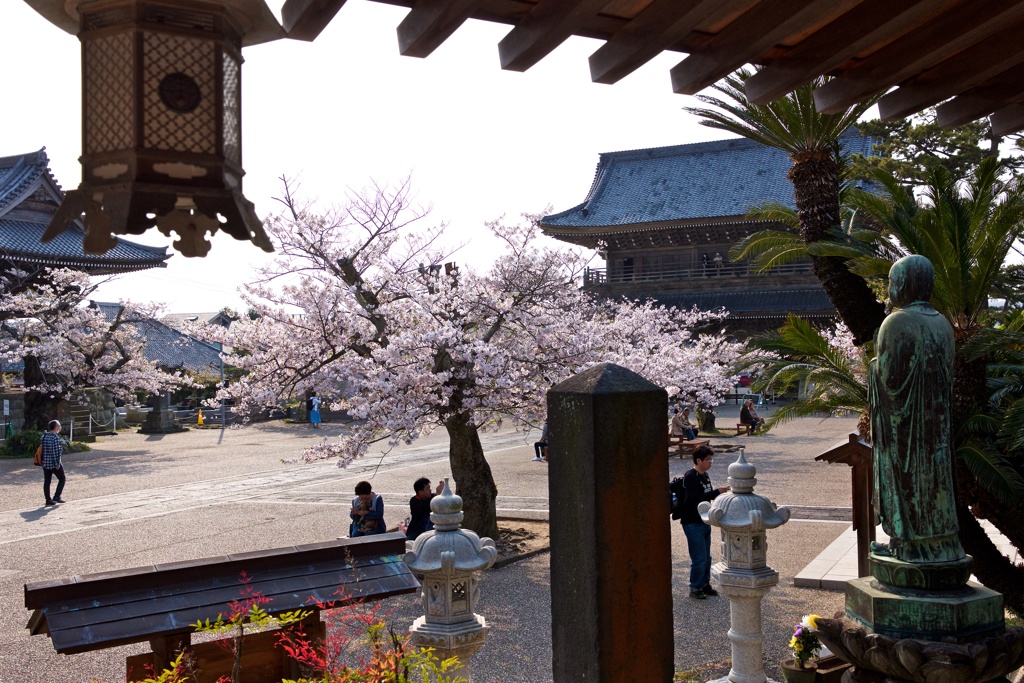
(168, 347)
(760, 303)
(682, 182)
(22, 224)
(179, 320)
(20, 239)
(18, 174)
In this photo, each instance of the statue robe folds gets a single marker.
(910, 387)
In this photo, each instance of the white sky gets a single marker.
(479, 142)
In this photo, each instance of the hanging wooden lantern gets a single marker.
(161, 119)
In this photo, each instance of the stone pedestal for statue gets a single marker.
(160, 420)
(917, 617)
(744, 575)
(449, 558)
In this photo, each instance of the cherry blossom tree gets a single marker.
(406, 341)
(66, 346)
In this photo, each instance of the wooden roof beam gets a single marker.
(746, 38)
(871, 23)
(654, 30)
(954, 31)
(431, 22)
(961, 72)
(546, 27)
(305, 19)
(1008, 120)
(963, 109)
(983, 99)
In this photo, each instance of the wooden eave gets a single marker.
(961, 53)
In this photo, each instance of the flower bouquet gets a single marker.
(805, 646)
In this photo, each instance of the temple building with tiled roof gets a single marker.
(29, 197)
(166, 346)
(665, 219)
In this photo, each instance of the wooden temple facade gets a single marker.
(666, 218)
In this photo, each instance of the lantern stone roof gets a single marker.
(29, 197)
(686, 183)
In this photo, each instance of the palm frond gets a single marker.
(992, 471)
(769, 249)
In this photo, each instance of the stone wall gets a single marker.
(16, 404)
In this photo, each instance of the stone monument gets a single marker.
(744, 575)
(160, 420)
(450, 558)
(918, 617)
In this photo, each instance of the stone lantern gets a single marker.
(744, 577)
(161, 119)
(449, 559)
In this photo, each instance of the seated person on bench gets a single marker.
(749, 416)
(681, 425)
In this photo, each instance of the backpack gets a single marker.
(677, 497)
(309, 405)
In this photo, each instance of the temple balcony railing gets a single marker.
(604, 276)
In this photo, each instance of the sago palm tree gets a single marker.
(794, 125)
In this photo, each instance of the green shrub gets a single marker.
(23, 444)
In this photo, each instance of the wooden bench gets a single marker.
(160, 603)
(742, 428)
(684, 445)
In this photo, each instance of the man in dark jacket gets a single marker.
(698, 488)
(419, 508)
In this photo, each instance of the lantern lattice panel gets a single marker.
(164, 128)
(108, 93)
(232, 124)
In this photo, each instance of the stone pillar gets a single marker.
(160, 420)
(611, 562)
(744, 576)
(450, 558)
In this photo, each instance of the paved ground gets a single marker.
(138, 500)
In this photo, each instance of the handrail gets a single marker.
(650, 273)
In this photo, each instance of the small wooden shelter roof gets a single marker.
(95, 611)
(850, 452)
(965, 53)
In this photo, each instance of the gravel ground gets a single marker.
(209, 511)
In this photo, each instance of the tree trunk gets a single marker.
(40, 407)
(992, 568)
(815, 181)
(472, 474)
